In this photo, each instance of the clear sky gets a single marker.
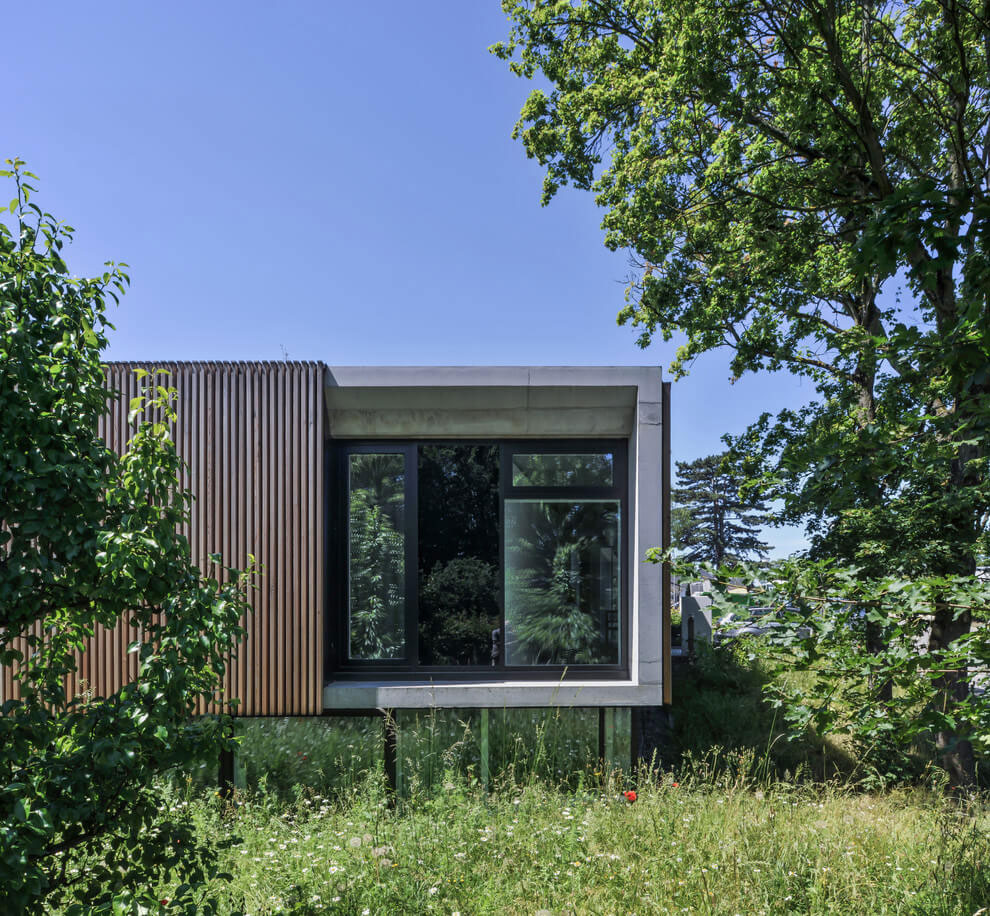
(330, 181)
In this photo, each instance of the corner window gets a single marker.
(482, 557)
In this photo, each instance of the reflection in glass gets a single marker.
(376, 556)
(549, 470)
(459, 614)
(561, 582)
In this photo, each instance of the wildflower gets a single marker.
(674, 785)
(629, 795)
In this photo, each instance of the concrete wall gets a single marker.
(525, 402)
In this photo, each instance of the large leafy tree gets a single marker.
(776, 168)
(89, 538)
(713, 521)
(804, 182)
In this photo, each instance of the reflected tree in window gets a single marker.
(376, 548)
(562, 593)
(458, 553)
(546, 469)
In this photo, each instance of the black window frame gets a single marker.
(339, 667)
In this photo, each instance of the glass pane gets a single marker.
(376, 557)
(561, 582)
(459, 615)
(547, 470)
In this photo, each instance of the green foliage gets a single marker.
(721, 834)
(725, 718)
(712, 519)
(90, 538)
(552, 583)
(377, 580)
(326, 755)
(458, 548)
(546, 615)
(339, 757)
(774, 168)
(806, 184)
(876, 665)
(461, 596)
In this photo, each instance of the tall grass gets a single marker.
(333, 754)
(745, 822)
(710, 842)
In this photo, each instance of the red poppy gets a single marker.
(630, 795)
(674, 785)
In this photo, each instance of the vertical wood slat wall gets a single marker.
(251, 436)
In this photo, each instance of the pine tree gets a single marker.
(712, 521)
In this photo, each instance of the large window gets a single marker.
(482, 557)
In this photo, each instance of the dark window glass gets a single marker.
(561, 582)
(376, 556)
(550, 470)
(483, 555)
(459, 615)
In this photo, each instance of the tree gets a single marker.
(90, 538)
(805, 183)
(713, 522)
(458, 547)
(377, 578)
(554, 584)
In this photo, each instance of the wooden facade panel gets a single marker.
(251, 437)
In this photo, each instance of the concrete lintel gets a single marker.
(491, 695)
(642, 377)
(645, 378)
(428, 376)
(482, 423)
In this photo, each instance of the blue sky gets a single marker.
(327, 181)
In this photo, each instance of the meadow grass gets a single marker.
(743, 822)
(698, 845)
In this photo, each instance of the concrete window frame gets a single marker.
(368, 403)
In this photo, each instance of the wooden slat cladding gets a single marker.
(251, 436)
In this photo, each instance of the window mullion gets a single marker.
(412, 556)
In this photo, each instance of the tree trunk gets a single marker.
(955, 752)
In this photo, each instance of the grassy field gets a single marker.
(743, 823)
(716, 845)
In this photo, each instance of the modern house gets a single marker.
(451, 537)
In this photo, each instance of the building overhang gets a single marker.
(490, 401)
(541, 402)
